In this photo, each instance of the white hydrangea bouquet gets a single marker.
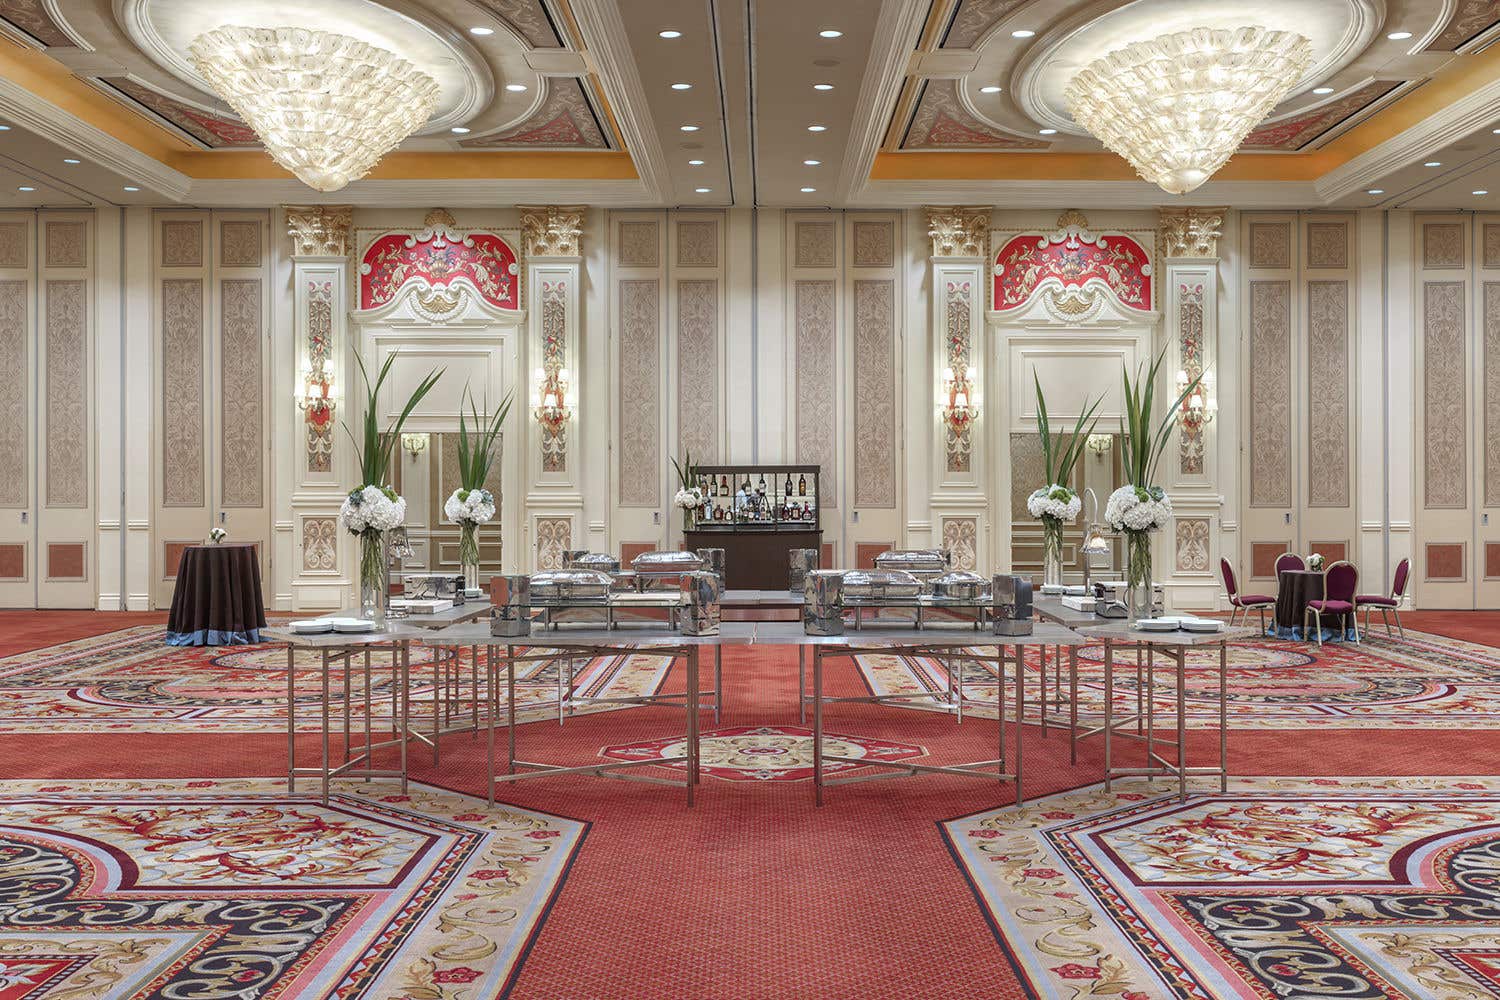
(371, 510)
(472, 504)
(1139, 508)
(688, 497)
(1057, 504)
(1316, 561)
(217, 535)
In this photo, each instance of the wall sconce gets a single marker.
(1200, 405)
(959, 412)
(1100, 444)
(316, 396)
(550, 401)
(415, 443)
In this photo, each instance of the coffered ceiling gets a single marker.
(772, 102)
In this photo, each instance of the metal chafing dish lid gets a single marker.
(575, 581)
(675, 561)
(959, 576)
(588, 559)
(911, 559)
(877, 582)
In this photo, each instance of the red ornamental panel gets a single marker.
(1073, 257)
(436, 258)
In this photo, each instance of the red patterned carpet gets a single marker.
(754, 893)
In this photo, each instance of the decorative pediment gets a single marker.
(436, 259)
(1070, 266)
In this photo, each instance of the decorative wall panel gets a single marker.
(1444, 398)
(1490, 386)
(1328, 403)
(958, 308)
(182, 392)
(1270, 245)
(15, 423)
(815, 245)
(875, 393)
(1491, 245)
(961, 539)
(1263, 558)
(239, 243)
(182, 243)
(1026, 464)
(15, 249)
(67, 244)
(865, 553)
(554, 536)
(1072, 257)
(698, 368)
(640, 394)
(436, 258)
(817, 415)
(13, 561)
(320, 544)
(319, 351)
(1445, 561)
(1192, 545)
(171, 557)
(1190, 443)
(874, 244)
(697, 243)
(639, 244)
(67, 561)
(1328, 244)
(554, 442)
(67, 394)
(1442, 244)
(1270, 393)
(242, 404)
(1492, 560)
(1333, 552)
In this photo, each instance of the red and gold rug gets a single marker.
(765, 753)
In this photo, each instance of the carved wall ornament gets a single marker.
(1072, 257)
(319, 230)
(436, 258)
(439, 218)
(958, 230)
(1191, 232)
(552, 230)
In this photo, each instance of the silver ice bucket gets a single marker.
(823, 602)
(713, 561)
(800, 563)
(702, 591)
(511, 596)
(1010, 605)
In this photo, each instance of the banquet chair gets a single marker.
(1243, 602)
(1387, 605)
(1339, 584)
(1286, 561)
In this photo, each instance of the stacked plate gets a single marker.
(311, 626)
(352, 625)
(1186, 623)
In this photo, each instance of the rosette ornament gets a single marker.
(327, 106)
(1178, 106)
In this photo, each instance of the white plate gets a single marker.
(1156, 624)
(1202, 625)
(311, 626)
(352, 625)
(1054, 588)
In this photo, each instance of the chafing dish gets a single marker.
(713, 560)
(666, 563)
(571, 585)
(823, 604)
(880, 584)
(702, 591)
(800, 563)
(1010, 597)
(431, 586)
(959, 585)
(601, 562)
(512, 598)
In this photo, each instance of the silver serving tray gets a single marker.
(667, 562)
(570, 585)
(876, 584)
(959, 585)
(912, 560)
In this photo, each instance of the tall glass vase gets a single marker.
(468, 552)
(1139, 600)
(374, 578)
(1052, 552)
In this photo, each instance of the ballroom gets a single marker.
(749, 499)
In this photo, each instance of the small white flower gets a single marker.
(1135, 508)
(1054, 501)
(472, 506)
(217, 535)
(370, 508)
(688, 499)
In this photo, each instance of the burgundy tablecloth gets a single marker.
(217, 600)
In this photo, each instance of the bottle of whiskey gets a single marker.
(788, 489)
(801, 486)
(723, 485)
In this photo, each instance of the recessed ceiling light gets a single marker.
(682, 86)
(1322, 90)
(1399, 36)
(131, 187)
(1022, 33)
(481, 30)
(670, 33)
(1376, 191)
(703, 190)
(808, 190)
(688, 128)
(695, 163)
(1481, 191)
(515, 88)
(459, 130)
(830, 33)
(25, 187)
(1433, 163)
(991, 89)
(4, 128)
(812, 163)
(69, 159)
(817, 128)
(822, 86)
(1046, 131)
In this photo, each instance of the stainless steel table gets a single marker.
(944, 644)
(1051, 609)
(1174, 646)
(592, 642)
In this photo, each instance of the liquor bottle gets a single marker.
(788, 490)
(802, 486)
(762, 486)
(723, 485)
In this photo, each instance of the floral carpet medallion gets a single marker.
(1423, 682)
(765, 753)
(233, 889)
(1357, 888)
(130, 681)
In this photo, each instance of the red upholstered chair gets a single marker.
(1387, 606)
(1243, 602)
(1339, 584)
(1286, 561)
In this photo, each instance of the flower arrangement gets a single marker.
(1315, 562)
(217, 535)
(374, 508)
(1138, 507)
(472, 504)
(688, 496)
(1057, 504)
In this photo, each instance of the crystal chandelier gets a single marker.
(1178, 106)
(326, 106)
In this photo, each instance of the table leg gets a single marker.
(718, 683)
(1109, 710)
(401, 675)
(1139, 691)
(369, 721)
(1021, 712)
(802, 684)
(348, 683)
(474, 680)
(437, 700)
(1043, 689)
(291, 720)
(818, 724)
(1223, 717)
(1150, 710)
(1182, 723)
(510, 700)
(692, 721)
(559, 663)
(1073, 704)
(325, 727)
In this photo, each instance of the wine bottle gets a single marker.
(801, 486)
(723, 485)
(788, 489)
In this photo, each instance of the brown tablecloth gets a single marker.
(1295, 588)
(217, 600)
